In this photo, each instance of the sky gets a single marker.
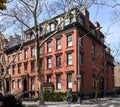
(104, 17)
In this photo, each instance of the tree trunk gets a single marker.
(40, 80)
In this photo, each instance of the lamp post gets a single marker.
(78, 73)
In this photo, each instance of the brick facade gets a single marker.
(59, 61)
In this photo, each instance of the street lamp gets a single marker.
(79, 74)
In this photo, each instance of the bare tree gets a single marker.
(27, 14)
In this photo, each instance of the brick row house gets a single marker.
(76, 50)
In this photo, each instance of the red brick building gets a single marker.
(76, 50)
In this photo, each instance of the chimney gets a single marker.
(86, 14)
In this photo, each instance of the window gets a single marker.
(81, 20)
(13, 84)
(19, 56)
(80, 41)
(93, 48)
(48, 78)
(69, 81)
(32, 66)
(69, 58)
(52, 27)
(32, 52)
(81, 59)
(32, 36)
(58, 82)
(93, 81)
(93, 31)
(13, 69)
(49, 63)
(58, 43)
(69, 40)
(19, 83)
(66, 22)
(58, 60)
(49, 47)
(25, 67)
(19, 68)
(25, 54)
(32, 84)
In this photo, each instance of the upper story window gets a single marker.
(81, 20)
(49, 46)
(80, 41)
(19, 68)
(13, 69)
(58, 60)
(93, 31)
(49, 63)
(32, 66)
(69, 40)
(25, 53)
(32, 52)
(69, 59)
(81, 59)
(58, 43)
(93, 48)
(52, 27)
(32, 36)
(102, 39)
(25, 67)
(19, 56)
(66, 21)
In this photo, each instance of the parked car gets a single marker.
(8, 100)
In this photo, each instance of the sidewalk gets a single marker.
(64, 104)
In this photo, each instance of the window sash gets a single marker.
(49, 63)
(32, 52)
(69, 59)
(69, 81)
(49, 47)
(58, 60)
(52, 27)
(69, 40)
(58, 82)
(58, 44)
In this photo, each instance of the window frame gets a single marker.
(69, 40)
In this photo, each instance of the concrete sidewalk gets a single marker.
(64, 104)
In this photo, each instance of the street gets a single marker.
(104, 102)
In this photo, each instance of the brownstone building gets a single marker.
(70, 59)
